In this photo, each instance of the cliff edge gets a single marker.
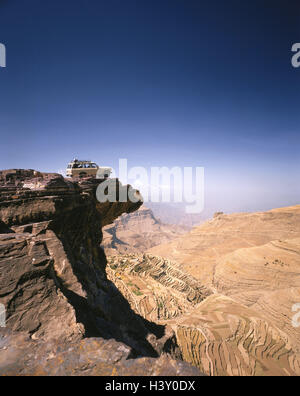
(54, 287)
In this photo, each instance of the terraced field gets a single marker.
(223, 337)
(217, 333)
(156, 288)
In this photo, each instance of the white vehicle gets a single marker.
(83, 168)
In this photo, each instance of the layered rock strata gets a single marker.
(53, 282)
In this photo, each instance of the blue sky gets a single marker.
(162, 83)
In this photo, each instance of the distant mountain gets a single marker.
(172, 213)
(137, 232)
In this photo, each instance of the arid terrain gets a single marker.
(136, 232)
(63, 315)
(217, 300)
(227, 289)
(200, 251)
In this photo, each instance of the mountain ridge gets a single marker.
(137, 232)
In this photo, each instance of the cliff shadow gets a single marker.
(110, 316)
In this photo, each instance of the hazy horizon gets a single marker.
(172, 83)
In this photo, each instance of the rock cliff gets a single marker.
(54, 286)
(137, 232)
(219, 297)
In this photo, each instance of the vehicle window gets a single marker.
(94, 166)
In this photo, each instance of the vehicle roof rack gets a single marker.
(81, 160)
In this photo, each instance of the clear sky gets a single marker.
(162, 83)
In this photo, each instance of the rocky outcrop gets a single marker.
(20, 355)
(52, 270)
(221, 298)
(136, 232)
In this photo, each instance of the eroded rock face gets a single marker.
(221, 296)
(137, 232)
(52, 272)
(29, 289)
(19, 355)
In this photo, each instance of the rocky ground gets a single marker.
(219, 297)
(21, 355)
(64, 316)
